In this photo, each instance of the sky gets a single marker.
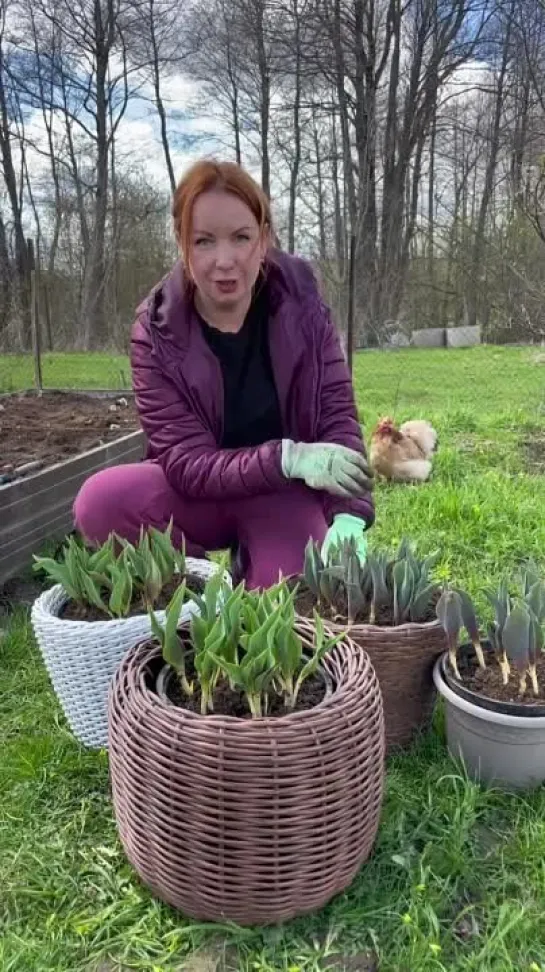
(138, 136)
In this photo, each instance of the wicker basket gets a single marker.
(253, 821)
(82, 656)
(403, 658)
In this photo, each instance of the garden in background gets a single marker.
(456, 881)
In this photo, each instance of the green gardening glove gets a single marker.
(328, 467)
(346, 527)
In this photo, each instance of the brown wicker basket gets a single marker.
(254, 821)
(403, 658)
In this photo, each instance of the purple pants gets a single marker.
(269, 532)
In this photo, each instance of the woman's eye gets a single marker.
(242, 236)
(202, 241)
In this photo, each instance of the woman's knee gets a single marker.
(118, 500)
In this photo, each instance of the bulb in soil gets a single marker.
(454, 663)
(533, 678)
(479, 653)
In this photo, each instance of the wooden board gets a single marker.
(39, 508)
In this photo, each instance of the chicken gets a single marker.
(403, 455)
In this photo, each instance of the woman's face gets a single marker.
(227, 249)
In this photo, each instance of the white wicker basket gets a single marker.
(82, 656)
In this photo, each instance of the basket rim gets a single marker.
(179, 715)
(59, 596)
(51, 611)
(387, 628)
(337, 628)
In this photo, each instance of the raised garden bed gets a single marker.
(50, 444)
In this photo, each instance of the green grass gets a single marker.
(73, 370)
(457, 880)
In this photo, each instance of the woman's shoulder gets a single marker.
(294, 282)
(293, 275)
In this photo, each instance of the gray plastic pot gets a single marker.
(504, 750)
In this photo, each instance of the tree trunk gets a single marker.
(265, 97)
(319, 189)
(490, 172)
(15, 201)
(296, 160)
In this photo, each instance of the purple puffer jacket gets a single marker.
(179, 390)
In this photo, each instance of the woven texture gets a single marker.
(82, 656)
(403, 658)
(254, 821)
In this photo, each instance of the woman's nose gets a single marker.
(224, 255)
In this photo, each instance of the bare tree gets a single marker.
(89, 90)
(9, 108)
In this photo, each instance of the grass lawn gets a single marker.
(457, 880)
(72, 370)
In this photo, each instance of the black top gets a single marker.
(251, 409)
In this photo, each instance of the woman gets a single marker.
(243, 394)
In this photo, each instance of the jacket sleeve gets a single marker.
(186, 449)
(338, 417)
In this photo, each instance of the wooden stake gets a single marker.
(35, 316)
(351, 287)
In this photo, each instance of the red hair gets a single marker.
(226, 176)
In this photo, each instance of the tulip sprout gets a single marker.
(246, 639)
(516, 633)
(401, 583)
(119, 575)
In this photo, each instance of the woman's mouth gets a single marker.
(226, 286)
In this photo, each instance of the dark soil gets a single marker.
(489, 681)
(534, 452)
(58, 426)
(72, 611)
(227, 702)
(305, 603)
(19, 590)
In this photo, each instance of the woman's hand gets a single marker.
(345, 527)
(326, 466)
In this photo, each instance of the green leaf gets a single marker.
(173, 651)
(407, 588)
(535, 599)
(516, 637)
(199, 629)
(501, 603)
(449, 614)
(153, 583)
(211, 596)
(494, 639)
(104, 558)
(403, 583)
(422, 603)
(58, 573)
(294, 651)
(530, 576)
(92, 593)
(233, 671)
(121, 593)
(377, 569)
(536, 640)
(313, 567)
(430, 562)
(469, 617)
(405, 551)
(329, 587)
